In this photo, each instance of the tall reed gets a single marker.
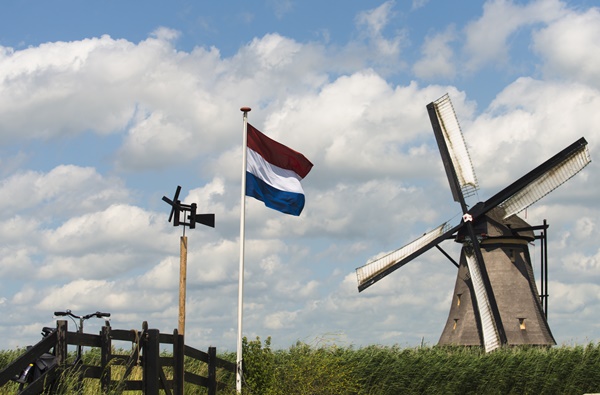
(381, 370)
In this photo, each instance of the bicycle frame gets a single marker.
(82, 318)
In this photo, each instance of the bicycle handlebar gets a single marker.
(85, 317)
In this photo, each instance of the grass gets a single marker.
(378, 370)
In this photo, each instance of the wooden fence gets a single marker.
(145, 353)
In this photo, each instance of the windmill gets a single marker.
(495, 299)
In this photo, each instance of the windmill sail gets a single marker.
(377, 268)
(547, 182)
(457, 159)
(539, 182)
(491, 338)
(461, 178)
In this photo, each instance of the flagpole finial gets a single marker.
(245, 109)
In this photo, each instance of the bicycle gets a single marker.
(79, 327)
(48, 360)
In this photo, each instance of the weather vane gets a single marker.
(205, 219)
(177, 208)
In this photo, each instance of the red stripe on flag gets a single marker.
(277, 154)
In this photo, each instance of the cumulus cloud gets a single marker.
(118, 227)
(487, 39)
(60, 88)
(66, 190)
(537, 119)
(570, 48)
(374, 22)
(437, 60)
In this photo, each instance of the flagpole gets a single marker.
(238, 376)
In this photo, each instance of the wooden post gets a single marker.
(105, 358)
(151, 363)
(178, 363)
(61, 342)
(212, 371)
(182, 281)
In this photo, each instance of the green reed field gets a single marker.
(377, 370)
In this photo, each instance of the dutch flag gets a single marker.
(274, 172)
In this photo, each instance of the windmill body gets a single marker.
(508, 265)
(495, 300)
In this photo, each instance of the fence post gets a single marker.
(61, 342)
(178, 363)
(151, 362)
(212, 370)
(105, 350)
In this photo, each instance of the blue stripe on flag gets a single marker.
(286, 202)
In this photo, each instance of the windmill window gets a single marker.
(458, 299)
(522, 324)
(455, 323)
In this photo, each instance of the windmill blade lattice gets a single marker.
(538, 182)
(377, 268)
(459, 160)
(491, 338)
(548, 181)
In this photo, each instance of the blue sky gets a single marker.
(106, 107)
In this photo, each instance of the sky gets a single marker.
(106, 107)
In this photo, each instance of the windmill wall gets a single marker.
(508, 265)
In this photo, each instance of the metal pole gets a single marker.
(547, 295)
(542, 276)
(238, 374)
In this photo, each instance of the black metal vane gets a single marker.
(177, 208)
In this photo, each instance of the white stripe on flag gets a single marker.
(282, 179)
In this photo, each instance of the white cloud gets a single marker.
(281, 7)
(587, 265)
(280, 320)
(16, 263)
(156, 141)
(438, 56)
(418, 4)
(574, 299)
(376, 19)
(570, 47)
(119, 227)
(488, 37)
(374, 22)
(16, 228)
(531, 121)
(51, 90)
(64, 189)
(164, 276)
(94, 295)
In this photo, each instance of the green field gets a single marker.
(304, 369)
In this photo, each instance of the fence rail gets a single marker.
(145, 353)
